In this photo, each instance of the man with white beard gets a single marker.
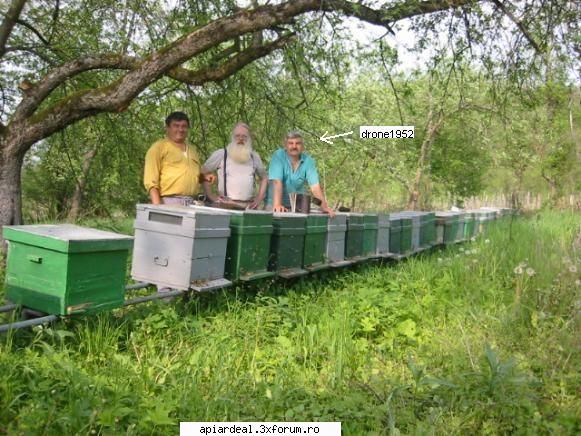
(237, 165)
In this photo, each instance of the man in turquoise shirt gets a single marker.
(288, 172)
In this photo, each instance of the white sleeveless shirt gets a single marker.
(239, 176)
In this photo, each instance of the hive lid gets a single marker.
(177, 209)
(406, 221)
(394, 220)
(338, 219)
(409, 213)
(289, 215)
(383, 216)
(180, 220)
(288, 220)
(370, 218)
(242, 218)
(349, 214)
(217, 210)
(317, 220)
(67, 238)
(337, 224)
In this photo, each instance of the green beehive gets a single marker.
(415, 219)
(475, 227)
(490, 214)
(480, 221)
(475, 223)
(447, 227)
(248, 246)
(405, 245)
(370, 227)
(427, 229)
(65, 269)
(460, 226)
(468, 225)
(423, 230)
(394, 234)
(287, 244)
(354, 236)
(314, 256)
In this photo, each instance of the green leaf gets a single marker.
(284, 341)
(407, 328)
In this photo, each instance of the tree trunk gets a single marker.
(77, 199)
(10, 187)
(424, 159)
(554, 192)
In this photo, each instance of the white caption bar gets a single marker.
(268, 428)
(386, 132)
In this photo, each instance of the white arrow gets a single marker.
(325, 138)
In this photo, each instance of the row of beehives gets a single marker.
(65, 269)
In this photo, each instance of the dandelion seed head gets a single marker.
(530, 272)
(572, 268)
(577, 282)
(518, 270)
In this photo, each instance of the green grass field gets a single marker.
(480, 338)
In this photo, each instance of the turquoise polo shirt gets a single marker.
(280, 168)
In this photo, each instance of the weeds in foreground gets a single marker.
(463, 340)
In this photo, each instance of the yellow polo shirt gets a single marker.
(170, 170)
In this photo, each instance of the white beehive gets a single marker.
(180, 247)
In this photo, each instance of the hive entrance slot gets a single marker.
(166, 219)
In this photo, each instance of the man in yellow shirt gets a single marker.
(172, 173)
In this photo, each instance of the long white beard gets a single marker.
(240, 153)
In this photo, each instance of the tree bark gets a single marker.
(10, 186)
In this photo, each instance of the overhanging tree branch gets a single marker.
(8, 23)
(70, 110)
(27, 128)
(33, 30)
(229, 67)
(519, 25)
(59, 75)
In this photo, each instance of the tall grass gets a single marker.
(467, 339)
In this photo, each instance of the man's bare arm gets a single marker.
(319, 194)
(155, 196)
(277, 190)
